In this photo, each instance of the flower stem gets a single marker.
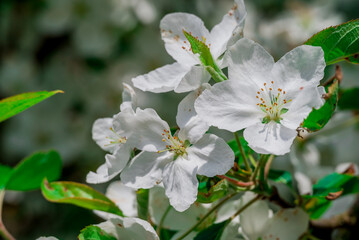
(245, 206)
(267, 166)
(245, 160)
(235, 182)
(207, 215)
(158, 230)
(3, 231)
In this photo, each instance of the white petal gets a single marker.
(229, 30)
(212, 155)
(103, 135)
(172, 26)
(129, 229)
(304, 183)
(180, 181)
(270, 138)
(302, 104)
(146, 129)
(124, 197)
(193, 79)
(288, 224)
(145, 170)
(304, 64)
(229, 105)
(249, 61)
(174, 220)
(163, 79)
(192, 127)
(129, 98)
(114, 164)
(254, 220)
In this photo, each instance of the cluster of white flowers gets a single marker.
(268, 99)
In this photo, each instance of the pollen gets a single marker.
(174, 145)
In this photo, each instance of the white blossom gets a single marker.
(129, 229)
(175, 159)
(188, 73)
(267, 99)
(110, 136)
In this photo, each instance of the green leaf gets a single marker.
(214, 232)
(280, 176)
(316, 207)
(78, 194)
(349, 99)
(338, 42)
(142, 203)
(13, 105)
(334, 184)
(5, 174)
(30, 172)
(211, 189)
(247, 150)
(318, 118)
(199, 47)
(94, 233)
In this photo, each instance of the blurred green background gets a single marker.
(88, 48)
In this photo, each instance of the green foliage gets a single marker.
(94, 233)
(213, 232)
(5, 174)
(318, 118)
(349, 99)
(327, 189)
(30, 172)
(78, 194)
(233, 144)
(281, 177)
(13, 105)
(339, 42)
(211, 189)
(142, 203)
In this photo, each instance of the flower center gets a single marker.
(174, 144)
(272, 102)
(116, 140)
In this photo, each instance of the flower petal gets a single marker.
(229, 105)
(193, 79)
(229, 30)
(114, 164)
(145, 170)
(180, 181)
(249, 61)
(302, 104)
(163, 79)
(172, 26)
(129, 98)
(124, 197)
(192, 127)
(212, 155)
(304, 64)
(145, 127)
(287, 224)
(129, 229)
(103, 135)
(254, 220)
(270, 138)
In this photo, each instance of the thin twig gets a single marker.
(207, 215)
(246, 206)
(242, 152)
(3, 231)
(158, 230)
